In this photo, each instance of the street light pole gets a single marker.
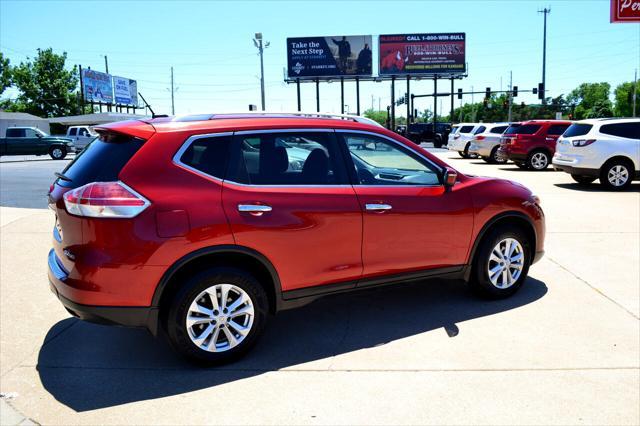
(545, 11)
(257, 41)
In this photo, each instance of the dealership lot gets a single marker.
(565, 349)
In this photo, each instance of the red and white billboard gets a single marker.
(402, 54)
(625, 10)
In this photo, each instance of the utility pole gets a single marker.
(635, 90)
(510, 97)
(173, 108)
(257, 41)
(545, 11)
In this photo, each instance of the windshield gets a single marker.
(40, 132)
(577, 129)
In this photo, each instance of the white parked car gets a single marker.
(461, 136)
(81, 136)
(607, 149)
(485, 145)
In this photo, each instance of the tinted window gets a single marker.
(465, 129)
(499, 130)
(557, 129)
(72, 132)
(526, 129)
(83, 132)
(480, 130)
(15, 133)
(511, 129)
(623, 130)
(209, 155)
(577, 129)
(378, 161)
(101, 160)
(287, 158)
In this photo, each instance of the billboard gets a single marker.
(97, 86)
(338, 56)
(125, 91)
(403, 54)
(625, 11)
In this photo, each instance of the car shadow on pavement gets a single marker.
(88, 367)
(595, 187)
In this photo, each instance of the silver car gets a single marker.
(485, 145)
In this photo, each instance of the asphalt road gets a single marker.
(564, 350)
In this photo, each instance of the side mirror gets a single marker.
(450, 178)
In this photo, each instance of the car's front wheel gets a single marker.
(217, 316)
(502, 262)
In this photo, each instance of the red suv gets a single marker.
(531, 144)
(200, 226)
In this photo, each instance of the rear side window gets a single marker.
(15, 133)
(208, 155)
(499, 130)
(101, 161)
(511, 129)
(72, 132)
(577, 129)
(465, 129)
(623, 130)
(287, 158)
(557, 129)
(480, 130)
(526, 129)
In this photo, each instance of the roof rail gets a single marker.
(280, 114)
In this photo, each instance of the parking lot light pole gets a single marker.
(545, 11)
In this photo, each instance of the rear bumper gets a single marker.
(128, 316)
(577, 170)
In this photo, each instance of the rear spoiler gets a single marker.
(135, 128)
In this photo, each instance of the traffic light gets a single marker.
(459, 93)
(540, 90)
(534, 90)
(487, 93)
(515, 91)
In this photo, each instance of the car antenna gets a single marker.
(153, 114)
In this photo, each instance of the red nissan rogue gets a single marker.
(200, 226)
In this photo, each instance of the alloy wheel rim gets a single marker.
(57, 153)
(506, 263)
(539, 160)
(220, 318)
(618, 175)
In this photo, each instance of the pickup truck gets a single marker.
(33, 141)
(81, 136)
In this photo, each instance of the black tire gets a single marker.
(480, 282)
(462, 154)
(487, 160)
(57, 152)
(538, 160)
(521, 165)
(583, 180)
(494, 156)
(617, 165)
(465, 153)
(437, 142)
(176, 327)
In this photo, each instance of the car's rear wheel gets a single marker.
(58, 152)
(217, 316)
(538, 160)
(437, 142)
(487, 160)
(583, 180)
(502, 262)
(462, 154)
(616, 175)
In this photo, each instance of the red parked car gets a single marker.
(203, 225)
(531, 144)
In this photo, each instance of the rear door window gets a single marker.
(557, 129)
(72, 132)
(287, 158)
(623, 130)
(101, 161)
(526, 129)
(15, 133)
(465, 129)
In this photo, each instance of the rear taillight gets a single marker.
(105, 199)
(582, 142)
(480, 138)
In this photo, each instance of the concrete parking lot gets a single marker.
(564, 350)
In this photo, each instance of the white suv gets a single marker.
(606, 149)
(460, 137)
(486, 144)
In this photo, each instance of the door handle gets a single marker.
(550, 139)
(254, 209)
(375, 207)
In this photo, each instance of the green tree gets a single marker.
(590, 99)
(624, 99)
(47, 88)
(5, 73)
(378, 116)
